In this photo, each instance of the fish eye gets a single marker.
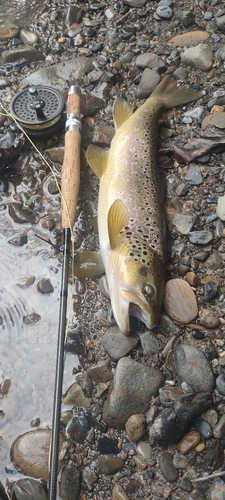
(148, 291)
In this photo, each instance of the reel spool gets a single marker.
(38, 110)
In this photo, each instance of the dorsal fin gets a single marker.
(97, 158)
(118, 218)
(121, 112)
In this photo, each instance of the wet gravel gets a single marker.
(110, 49)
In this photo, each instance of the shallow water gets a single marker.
(28, 351)
(19, 11)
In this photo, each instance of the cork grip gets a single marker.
(70, 178)
(74, 104)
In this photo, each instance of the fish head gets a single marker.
(138, 284)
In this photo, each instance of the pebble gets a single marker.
(89, 477)
(29, 319)
(210, 290)
(191, 278)
(167, 468)
(8, 32)
(75, 396)
(100, 373)
(220, 208)
(193, 367)
(149, 343)
(78, 429)
(13, 55)
(148, 83)
(189, 441)
(118, 345)
(44, 286)
(200, 237)
(203, 427)
(28, 37)
(180, 301)
(189, 38)
(164, 12)
(187, 17)
(194, 175)
(109, 464)
(211, 416)
(214, 261)
(126, 399)
(168, 395)
(108, 446)
(201, 256)
(180, 461)
(183, 223)
(219, 428)
(25, 488)
(209, 319)
(70, 480)
(220, 384)
(200, 447)
(119, 493)
(209, 460)
(30, 452)
(218, 493)
(199, 57)
(135, 427)
(75, 343)
(170, 425)
(145, 450)
(25, 281)
(220, 23)
(186, 484)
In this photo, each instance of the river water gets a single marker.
(19, 12)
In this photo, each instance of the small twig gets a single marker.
(211, 476)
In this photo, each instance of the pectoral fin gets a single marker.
(87, 265)
(97, 158)
(118, 218)
(121, 112)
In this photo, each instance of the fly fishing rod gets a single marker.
(70, 189)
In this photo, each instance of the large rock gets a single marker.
(133, 386)
(199, 57)
(180, 301)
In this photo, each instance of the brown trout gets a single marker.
(131, 211)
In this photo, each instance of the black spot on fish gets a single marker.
(143, 270)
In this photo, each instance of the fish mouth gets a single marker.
(136, 312)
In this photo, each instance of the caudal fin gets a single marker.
(172, 95)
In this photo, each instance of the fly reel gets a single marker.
(38, 110)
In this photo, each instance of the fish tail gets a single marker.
(172, 95)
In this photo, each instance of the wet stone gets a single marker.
(219, 429)
(31, 318)
(180, 301)
(203, 427)
(186, 17)
(75, 397)
(118, 345)
(220, 209)
(25, 488)
(210, 291)
(75, 343)
(167, 468)
(126, 399)
(194, 175)
(108, 446)
(168, 395)
(73, 15)
(13, 55)
(200, 237)
(25, 281)
(214, 261)
(8, 32)
(220, 383)
(135, 427)
(28, 37)
(70, 482)
(149, 343)
(44, 286)
(109, 464)
(220, 23)
(145, 450)
(189, 441)
(173, 423)
(78, 429)
(193, 367)
(186, 484)
(30, 453)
